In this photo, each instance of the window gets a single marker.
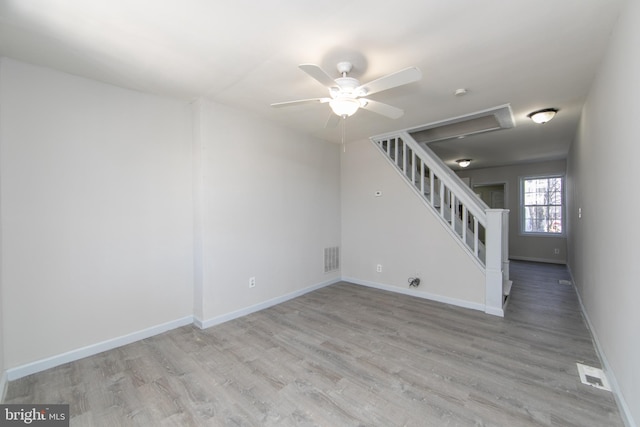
(542, 199)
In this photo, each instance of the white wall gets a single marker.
(3, 374)
(603, 244)
(122, 211)
(270, 205)
(531, 248)
(398, 231)
(97, 228)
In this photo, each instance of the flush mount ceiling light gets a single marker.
(543, 116)
(463, 163)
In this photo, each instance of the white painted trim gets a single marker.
(70, 356)
(450, 120)
(414, 293)
(494, 311)
(4, 383)
(521, 180)
(627, 417)
(204, 324)
(443, 223)
(532, 259)
(90, 350)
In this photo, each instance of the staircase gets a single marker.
(481, 231)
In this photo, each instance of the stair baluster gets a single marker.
(465, 215)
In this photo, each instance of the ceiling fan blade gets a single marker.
(399, 78)
(318, 73)
(382, 108)
(332, 121)
(301, 102)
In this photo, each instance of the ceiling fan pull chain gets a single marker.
(344, 125)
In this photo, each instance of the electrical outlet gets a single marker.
(556, 251)
(379, 268)
(252, 282)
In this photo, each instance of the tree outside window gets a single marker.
(542, 205)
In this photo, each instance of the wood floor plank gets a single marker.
(347, 355)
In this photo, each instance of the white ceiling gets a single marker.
(245, 53)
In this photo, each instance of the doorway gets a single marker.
(492, 194)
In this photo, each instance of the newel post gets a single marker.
(496, 260)
(506, 282)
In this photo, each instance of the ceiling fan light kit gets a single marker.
(344, 107)
(346, 94)
(543, 116)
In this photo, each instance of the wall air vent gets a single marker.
(458, 127)
(331, 259)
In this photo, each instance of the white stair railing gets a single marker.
(480, 230)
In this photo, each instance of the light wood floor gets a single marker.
(347, 355)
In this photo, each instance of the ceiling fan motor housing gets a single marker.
(346, 86)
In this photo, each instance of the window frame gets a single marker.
(522, 225)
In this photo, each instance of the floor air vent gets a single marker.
(482, 121)
(331, 259)
(594, 377)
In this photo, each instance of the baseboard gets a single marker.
(51, 362)
(4, 382)
(414, 293)
(531, 259)
(627, 417)
(494, 311)
(204, 324)
(70, 356)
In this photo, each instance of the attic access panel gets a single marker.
(490, 120)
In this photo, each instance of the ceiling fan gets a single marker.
(347, 95)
